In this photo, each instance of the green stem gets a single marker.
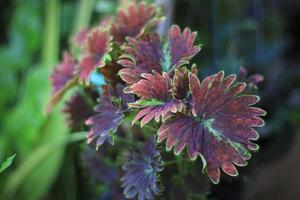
(52, 32)
(147, 126)
(150, 128)
(56, 98)
(78, 136)
(38, 156)
(128, 141)
(181, 173)
(84, 13)
(171, 162)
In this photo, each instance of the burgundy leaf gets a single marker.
(181, 82)
(81, 37)
(133, 21)
(243, 73)
(105, 122)
(221, 127)
(125, 97)
(98, 45)
(252, 81)
(110, 71)
(149, 52)
(118, 92)
(142, 56)
(78, 110)
(181, 46)
(155, 98)
(63, 72)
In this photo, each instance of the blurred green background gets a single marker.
(261, 35)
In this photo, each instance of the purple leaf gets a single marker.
(118, 92)
(105, 123)
(63, 72)
(78, 110)
(133, 21)
(142, 56)
(141, 172)
(252, 81)
(150, 52)
(98, 168)
(220, 128)
(155, 98)
(181, 46)
(98, 45)
(81, 37)
(110, 71)
(181, 82)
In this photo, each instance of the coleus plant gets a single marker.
(126, 68)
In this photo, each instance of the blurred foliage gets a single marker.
(47, 165)
(34, 35)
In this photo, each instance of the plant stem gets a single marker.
(150, 128)
(147, 126)
(51, 32)
(36, 158)
(78, 136)
(171, 162)
(128, 141)
(60, 94)
(84, 13)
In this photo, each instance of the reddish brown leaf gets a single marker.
(221, 127)
(98, 45)
(151, 52)
(133, 21)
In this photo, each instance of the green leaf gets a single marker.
(30, 108)
(146, 102)
(41, 167)
(166, 61)
(7, 163)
